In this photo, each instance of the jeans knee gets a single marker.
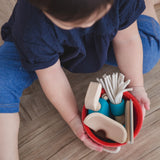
(149, 30)
(151, 56)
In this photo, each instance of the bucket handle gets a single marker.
(116, 150)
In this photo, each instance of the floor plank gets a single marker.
(45, 136)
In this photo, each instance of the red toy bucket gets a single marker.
(138, 120)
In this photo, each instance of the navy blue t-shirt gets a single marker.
(41, 43)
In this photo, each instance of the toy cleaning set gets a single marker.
(111, 116)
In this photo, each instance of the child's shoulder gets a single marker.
(128, 5)
(127, 11)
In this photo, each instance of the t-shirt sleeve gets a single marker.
(39, 48)
(129, 11)
(37, 55)
(35, 38)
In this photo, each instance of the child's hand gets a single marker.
(141, 96)
(77, 128)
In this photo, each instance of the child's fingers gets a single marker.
(146, 103)
(143, 110)
(90, 144)
(79, 132)
(77, 128)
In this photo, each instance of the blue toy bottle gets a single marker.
(117, 109)
(104, 108)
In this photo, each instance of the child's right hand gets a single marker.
(77, 128)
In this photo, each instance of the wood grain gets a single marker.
(45, 136)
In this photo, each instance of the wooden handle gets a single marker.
(92, 96)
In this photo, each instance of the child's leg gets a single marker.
(13, 80)
(149, 30)
(9, 127)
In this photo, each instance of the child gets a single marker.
(79, 35)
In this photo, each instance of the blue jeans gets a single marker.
(14, 78)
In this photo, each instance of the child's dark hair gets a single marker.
(70, 10)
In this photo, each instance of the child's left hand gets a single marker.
(141, 95)
(77, 128)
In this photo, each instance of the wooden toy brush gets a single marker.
(129, 123)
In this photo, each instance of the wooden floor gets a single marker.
(45, 136)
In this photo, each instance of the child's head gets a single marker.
(69, 14)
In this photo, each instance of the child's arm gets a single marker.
(57, 89)
(129, 55)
